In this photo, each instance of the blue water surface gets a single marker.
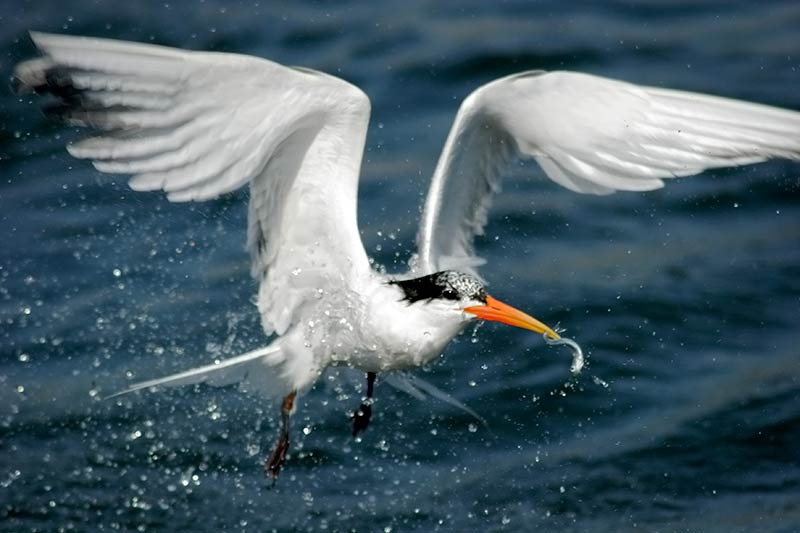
(687, 299)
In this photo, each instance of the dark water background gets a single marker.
(688, 298)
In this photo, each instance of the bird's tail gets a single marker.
(253, 366)
(421, 389)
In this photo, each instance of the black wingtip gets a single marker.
(30, 76)
(18, 87)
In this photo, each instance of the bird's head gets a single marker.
(455, 292)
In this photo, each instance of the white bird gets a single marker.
(197, 125)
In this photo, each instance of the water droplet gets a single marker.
(117, 272)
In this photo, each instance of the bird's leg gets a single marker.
(364, 412)
(272, 466)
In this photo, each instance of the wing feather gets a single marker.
(591, 135)
(198, 125)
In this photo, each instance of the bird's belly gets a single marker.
(397, 351)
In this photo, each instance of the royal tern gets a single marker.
(197, 125)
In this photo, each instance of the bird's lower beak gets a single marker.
(497, 311)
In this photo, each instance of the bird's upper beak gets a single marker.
(499, 312)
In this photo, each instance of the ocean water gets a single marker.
(687, 299)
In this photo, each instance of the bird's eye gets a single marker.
(450, 294)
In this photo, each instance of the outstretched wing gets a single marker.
(591, 135)
(197, 125)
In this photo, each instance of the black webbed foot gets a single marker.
(363, 414)
(361, 418)
(273, 464)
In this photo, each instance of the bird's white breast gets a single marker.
(404, 335)
(375, 330)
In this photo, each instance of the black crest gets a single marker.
(445, 285)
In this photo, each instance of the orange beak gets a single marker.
(497, 311)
